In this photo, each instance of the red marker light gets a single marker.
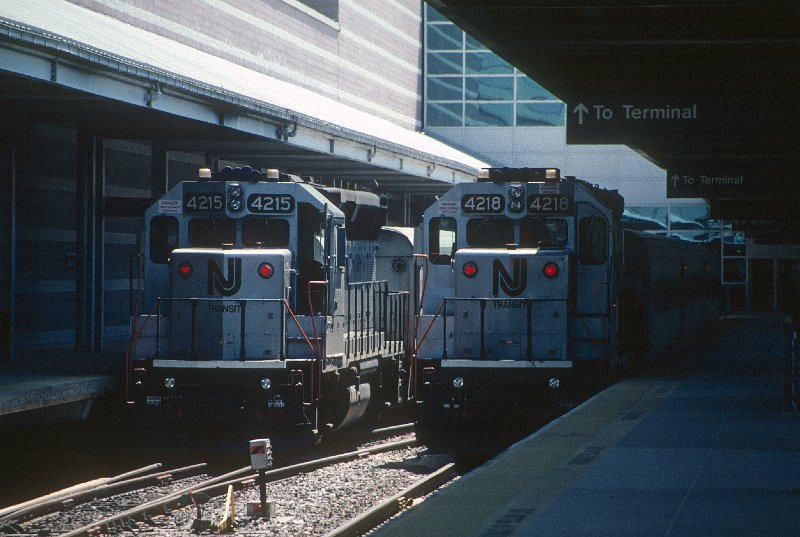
(550, 270)
(185, 269)
(265, 270)
(470, 269)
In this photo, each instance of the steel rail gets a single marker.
(403, 427)
(399, 502)
(218, 485)
(290, 471)
(11, 511)
(102, 490)
(178, 498)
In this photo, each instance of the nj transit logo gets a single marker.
(225, 286)
(512, 284)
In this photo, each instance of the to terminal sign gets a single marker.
(747, 183)
(618, 121)
(630, 112)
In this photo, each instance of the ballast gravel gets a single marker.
(309, 504)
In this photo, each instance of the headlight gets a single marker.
(169, 383)
(266, 384)
(554, 383)
(458, 383)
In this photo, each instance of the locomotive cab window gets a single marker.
(542, 232)
(258, 232)
(490, 232)
(163, 237)
(212, 232)
(310, 259)
(442, 239)
(592, 240)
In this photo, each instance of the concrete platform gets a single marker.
(702, 446)
(55, 386)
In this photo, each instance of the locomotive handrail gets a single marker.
(297, 323)
(418, 315)
(321, 283)
(368, 311)
(605, 324)
(420, 340)
(578, 315)
(131, 348)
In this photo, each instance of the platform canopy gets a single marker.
(67, 63)
(706, 89)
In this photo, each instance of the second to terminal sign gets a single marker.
(721, 183)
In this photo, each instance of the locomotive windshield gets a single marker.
(532, 232)
(212, 232)
(265, 232)
(490, 231)
(542, 232)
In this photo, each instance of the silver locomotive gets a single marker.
(271, 298)
(530, 298)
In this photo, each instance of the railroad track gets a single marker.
(343, 494)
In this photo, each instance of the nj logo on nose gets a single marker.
(225, 286)
(511, 284)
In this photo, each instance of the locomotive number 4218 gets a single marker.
(550, 204)
(483, 203)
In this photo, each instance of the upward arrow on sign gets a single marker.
(580, 109)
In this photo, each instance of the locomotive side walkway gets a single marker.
(701, 446)
(56, 386)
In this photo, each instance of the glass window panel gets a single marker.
(542, 232)
(530, 90)
(329, 8)
(489, 115)
(434, 16)
(445, 88)
(490, 232)
(212, 232)
(487, 63)
(473, 44)
(260, 232)
(443, 115)
(541, 114)
(444, 63)
(442, 240)
(163, 237)
(444, 37)
(497, 88)
(592, 240)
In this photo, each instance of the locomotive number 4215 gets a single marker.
(198, 202)
(270, 203)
